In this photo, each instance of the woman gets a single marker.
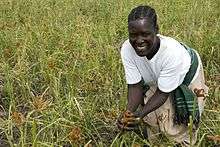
(159, 70)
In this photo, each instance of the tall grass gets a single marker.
(61, 76)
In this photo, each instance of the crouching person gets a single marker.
(165, 78)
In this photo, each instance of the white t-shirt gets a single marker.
(166, 69)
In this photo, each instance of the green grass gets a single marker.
(66, 52)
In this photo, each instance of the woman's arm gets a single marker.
(135, 96)
(126, 120)
(157, 100)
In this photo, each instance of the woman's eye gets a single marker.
(131, 35)
(146, 34)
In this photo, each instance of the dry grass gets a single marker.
(60, 67)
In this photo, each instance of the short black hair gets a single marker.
(146, 12)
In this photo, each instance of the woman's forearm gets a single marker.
(157, 100)
(135, 96)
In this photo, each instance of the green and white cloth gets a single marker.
(185, 101)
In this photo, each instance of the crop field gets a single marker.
(61, 77)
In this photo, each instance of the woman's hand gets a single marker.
(128, 121)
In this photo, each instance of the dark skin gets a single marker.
(143, 38)
(135, 98)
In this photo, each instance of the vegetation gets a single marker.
(61, 76)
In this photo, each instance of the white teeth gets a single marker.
(141, 48)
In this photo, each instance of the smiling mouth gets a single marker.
(141, 48)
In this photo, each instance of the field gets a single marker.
(61, 76)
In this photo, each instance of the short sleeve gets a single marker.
(132, 74)
(173, 72)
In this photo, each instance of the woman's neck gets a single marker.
(155, 47)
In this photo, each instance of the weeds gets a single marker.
(70, 48)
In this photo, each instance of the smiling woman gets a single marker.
(142, 32)
(171, 71)
(143, 38)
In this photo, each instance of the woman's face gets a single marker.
(142, 36)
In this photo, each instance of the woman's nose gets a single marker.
(140, 40)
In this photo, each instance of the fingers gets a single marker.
(126, 127)
(127, 121)
(135, 122)
(131, 127)
(120, 125)
(128, 114)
